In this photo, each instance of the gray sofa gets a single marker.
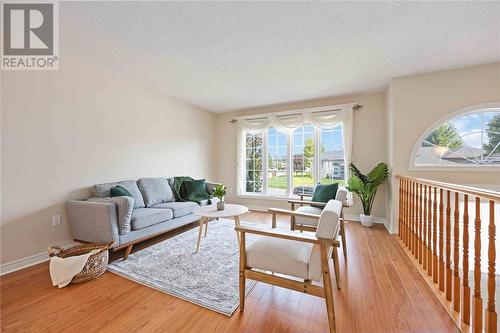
(151, 211)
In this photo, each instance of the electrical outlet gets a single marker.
(56, 220)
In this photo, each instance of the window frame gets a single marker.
(289, 140)
(461, 112)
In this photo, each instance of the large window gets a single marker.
(303, 152)
(331, 156)
(254, 146)
(277, 165)
(296, 160)
(470, 139)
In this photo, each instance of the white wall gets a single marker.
(63, 131)
(416, 102)
(369, 145)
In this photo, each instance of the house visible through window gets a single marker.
(296, 160)
(471, 139)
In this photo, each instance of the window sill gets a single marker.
(267, 197)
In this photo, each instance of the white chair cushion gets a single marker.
(277, 255)
(341, 196)
(329, 220)
(308, 220)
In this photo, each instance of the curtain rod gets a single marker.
(355, 108)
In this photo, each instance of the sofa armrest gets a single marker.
(95, 222)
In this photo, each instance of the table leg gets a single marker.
(237, 222)
(206, 227)
(203, 220)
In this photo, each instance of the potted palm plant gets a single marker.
(365, 187)
(220, 192)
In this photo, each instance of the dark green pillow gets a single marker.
(195, 189)
(119, 191)
(324, 193)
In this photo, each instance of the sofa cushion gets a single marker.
(102, 191)
(145, 217)
(119, 191)
(124, 209)
(180, 208)
(195, 189)
(155, 191)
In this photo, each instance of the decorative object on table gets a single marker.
(79, 263)
(365, 187)
(220, 192)
(208, 279)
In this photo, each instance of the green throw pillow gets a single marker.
(324, 193)
(119, 191)
(195, 189)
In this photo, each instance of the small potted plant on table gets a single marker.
(220, 192)
(365, 187)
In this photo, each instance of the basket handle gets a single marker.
(54, 250)
(108, 246)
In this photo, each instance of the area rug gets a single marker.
(209, 278)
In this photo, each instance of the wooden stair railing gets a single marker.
(438, 222)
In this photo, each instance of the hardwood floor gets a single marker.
(381, 292)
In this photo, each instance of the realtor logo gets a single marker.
(30, 36)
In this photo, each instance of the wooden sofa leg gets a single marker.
(327, 282)
(127, 251)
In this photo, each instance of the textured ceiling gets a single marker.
(223, 56)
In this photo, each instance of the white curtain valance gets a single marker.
(323, 118)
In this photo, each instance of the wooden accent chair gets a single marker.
(305, 223)
(301, 258)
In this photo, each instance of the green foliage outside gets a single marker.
(493, 133)
(445, 135)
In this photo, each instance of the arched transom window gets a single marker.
(468, 139)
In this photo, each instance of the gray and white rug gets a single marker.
(208, 278)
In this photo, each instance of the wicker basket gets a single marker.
(96, 264)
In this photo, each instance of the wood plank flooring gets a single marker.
(381, 292)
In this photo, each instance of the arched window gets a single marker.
(469, 138)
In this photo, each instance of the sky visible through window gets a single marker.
(468, 139)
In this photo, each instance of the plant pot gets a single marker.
(366, 220)
(220, 205)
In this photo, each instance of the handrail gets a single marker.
(462, 189)
(446, 229)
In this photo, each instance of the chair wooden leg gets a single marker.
(342, 234)
(206, 227)
(335, 257)
(328, 288)
(237, 223)
(127, 251)
(242, 271)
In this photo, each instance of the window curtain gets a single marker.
(324, 118)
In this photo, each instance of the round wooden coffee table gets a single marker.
(211, 212)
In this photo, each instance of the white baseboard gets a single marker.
(378, 220)
(19, 264)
